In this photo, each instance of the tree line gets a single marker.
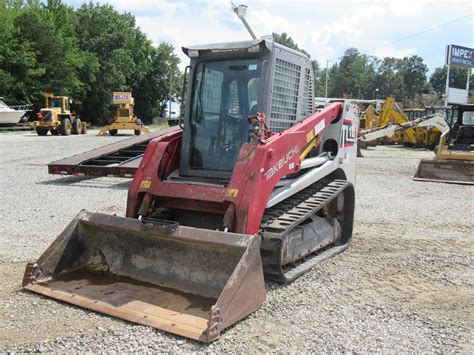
(361, 76)
(84, 53)
(88, 52)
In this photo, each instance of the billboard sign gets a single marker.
(459, 56)
(457, 96)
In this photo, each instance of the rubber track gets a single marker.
(282, 218)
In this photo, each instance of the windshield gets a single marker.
(468, 118)
(54, 103)
(123, 112)
(225, 94)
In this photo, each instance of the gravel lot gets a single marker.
(405, 283)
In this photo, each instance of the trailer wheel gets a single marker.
(40, 131)
(65, 128)
(54, 132)
(76, 126)
(84, 128)
(113, 132)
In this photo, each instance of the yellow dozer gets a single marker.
(124, 116)
(57, 118)
(454, 161)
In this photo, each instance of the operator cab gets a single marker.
(461, 135)
(225, 94)
(61, 102)
(229, 82)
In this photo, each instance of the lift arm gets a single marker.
(436, 120)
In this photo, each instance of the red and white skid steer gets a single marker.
(253, 184)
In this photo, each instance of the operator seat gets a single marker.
(466, 135)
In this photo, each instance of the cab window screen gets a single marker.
(224, 92)
(123, 112)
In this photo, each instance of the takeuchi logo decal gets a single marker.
(281, 163)
(349, 134)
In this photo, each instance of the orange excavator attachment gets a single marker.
(187, 281)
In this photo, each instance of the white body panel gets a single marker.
(458, 96)
(344, 132)
(9, 115)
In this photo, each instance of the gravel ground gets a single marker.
(404, 285)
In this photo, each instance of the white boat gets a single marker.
(11, 114)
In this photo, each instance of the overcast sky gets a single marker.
(323, 28)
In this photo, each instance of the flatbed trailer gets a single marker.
(16, 128)
(119, 159)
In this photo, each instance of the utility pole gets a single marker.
(326, 85)
(171, 85)
(373, 93)
(447, 87)
(467, 83)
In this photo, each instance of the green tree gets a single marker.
(40, 52)
(352, 76)
(154, 89)
(319, 78)
(387, 79)
(413, 72)
(7, 45)
(84, 53)
(127, 61)
(457, 79)
(287, 41)
(361, 76)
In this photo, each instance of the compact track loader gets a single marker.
(454, 161)
(252, 184)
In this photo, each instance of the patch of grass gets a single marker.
(156, 127)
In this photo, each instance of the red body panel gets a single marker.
(258, 169)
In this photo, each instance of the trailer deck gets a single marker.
(119, 159)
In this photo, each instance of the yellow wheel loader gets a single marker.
(124, 116)
(57, 118)
(454, 160)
